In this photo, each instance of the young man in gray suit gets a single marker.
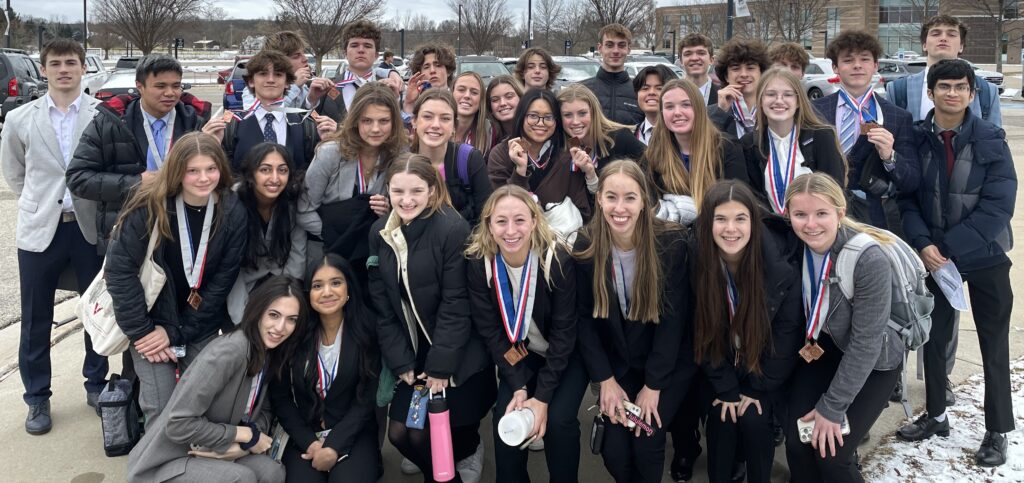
(55, 229)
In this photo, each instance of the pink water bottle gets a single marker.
(441, 455)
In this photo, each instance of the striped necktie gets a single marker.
(849, 130)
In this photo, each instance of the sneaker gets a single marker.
(471, 468)
(38, 420)
(537, 445)
(408, 467)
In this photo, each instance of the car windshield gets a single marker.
(485, 69)
(579, 71)
(124, 63)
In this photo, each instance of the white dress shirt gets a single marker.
(280, 123)
(64, 127)
(926, 103)
(646, 129)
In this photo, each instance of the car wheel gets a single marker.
(814, 93)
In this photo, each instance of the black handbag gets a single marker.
(597, 434)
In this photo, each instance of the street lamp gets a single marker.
(402, 44)
(529, 23)
(85, 25)
(673, 32)
(459, 38)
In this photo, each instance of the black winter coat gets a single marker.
(111, 155)
(615, 92)
(554, 312)
(436, 277)
(183, 325)
(782, 264)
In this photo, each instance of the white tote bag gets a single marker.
(565, 218)
(96, 309)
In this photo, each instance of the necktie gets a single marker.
(158, 140)
(850, 130)
(947, 141)
(269, 134)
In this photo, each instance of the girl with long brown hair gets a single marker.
(634, 309)
(789, 140)
(747, 324)
(201, 238)
(502, 97)
(686, 153)
(472, 127)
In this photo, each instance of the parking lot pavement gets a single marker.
(73, 451)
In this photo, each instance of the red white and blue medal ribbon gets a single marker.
(254, 394)
(745, 118)
(351, 78)
(815, 292)
(862, 106)
(543, 150)
(515, 311)
(324, 376)
(194, 265)
(732, 296)
(779, 175)
(360, 178)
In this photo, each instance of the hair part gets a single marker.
(615, 31)
(273, 361)
(661, 70)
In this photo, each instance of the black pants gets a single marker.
(686, 426)
(38, 273)
(750, 436)
(414, 444)
(630, 458)
(562, 438)
(360, 467)
(809, 382)
(991, 301)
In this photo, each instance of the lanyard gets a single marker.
(741, 114)
(515, 312)
(815, 292)
(619, 277)
(361, 184)
(254, 394)
(193, 270)
(731, 294)
(325, 377)
(863, 107)
(169, 132)
(780, 175)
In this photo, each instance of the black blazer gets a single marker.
(345, 411)
(626, 146)
(249, 135)
(819, 148)
(863, 161)
(723, 120)
(554, 312)
(437, 280)
(782, 264)
(663, 351)
(713, 94)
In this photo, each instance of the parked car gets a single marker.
(120, 82)
(574, 69)
(891, 70)
(485, 65)
(234, 84)
(95, 74)
(23, 78)
(331, 70)
(126, 63)
(820, 80)
(401, 65)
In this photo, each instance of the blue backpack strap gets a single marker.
(462, 162)
(984, 95)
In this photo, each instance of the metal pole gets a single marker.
(41, 30)
(85, 24)
(529, 23)
(9, 12)
(459, 38)
(730, 10)
(674, 47)
(402, 44)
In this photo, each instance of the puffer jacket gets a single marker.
(966, 215)
(615, 92)
(224, 257)
(111, 155)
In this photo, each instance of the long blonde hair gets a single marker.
(705, 149)
(647, 285)
(152, 196)
(481, 128)
(826, 188)
(805, 118)
(601, 128)
(543, 238)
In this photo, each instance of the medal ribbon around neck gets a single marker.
(781, 175)
(815, 292)
(543, 150)
(862, 108)
(731, 294)
(515, 314)
(351, 78)
(326, 378)
(194, 270)
(741, 116)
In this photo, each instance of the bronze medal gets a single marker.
(194, 299)
(811, 351)
(867, 126)
(515, 354)
(333, 93)
(227, 117)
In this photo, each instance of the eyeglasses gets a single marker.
(534, 119)
(946, 88)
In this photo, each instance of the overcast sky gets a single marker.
(435, 9)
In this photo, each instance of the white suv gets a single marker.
(95, 74)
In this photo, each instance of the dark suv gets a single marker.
(20, 80)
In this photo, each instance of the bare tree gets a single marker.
(322, 21)
(994, 10)
(634, 14)
(102, 36)
(484, 22)
(149, 23)
(546, 19)
(795, 20)
(579, 24)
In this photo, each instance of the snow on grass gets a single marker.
(939, 459)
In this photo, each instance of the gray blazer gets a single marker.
(34, 169)
(860, 329)
(205, 409)
(330, 179)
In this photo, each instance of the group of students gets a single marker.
(343, 250)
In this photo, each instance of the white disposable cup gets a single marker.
(515, 427)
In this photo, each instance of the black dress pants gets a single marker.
(751, 436)
(360, 467)
(991, 301)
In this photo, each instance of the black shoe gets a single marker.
(92, 399)
(739, 471)
(897, 392)
(925, 427)
(682, 466)
(992, 451)
(777, 435)
(950, 397)
(39, 422)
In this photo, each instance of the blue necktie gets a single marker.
(850, 130)
(158, 140)
(269, 134)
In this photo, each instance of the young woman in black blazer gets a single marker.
(785, 117)
(513, 237)
(325, 397)
(634, 309)
(747, 325)
(418, 284)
